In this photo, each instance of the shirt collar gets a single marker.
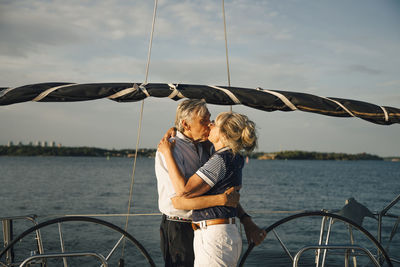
(223, 149)
(183, 137)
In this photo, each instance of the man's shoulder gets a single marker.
(181, 144)
(159, 159)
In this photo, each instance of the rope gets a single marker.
(226, 48)
(151, 40)
(133, 174)
(48, 91)
(283, 98)
(385, 113)
(341, 105)
(124, 92)
(175, 91)
(228, 93)
(140, 124)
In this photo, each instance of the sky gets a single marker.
(345, 49)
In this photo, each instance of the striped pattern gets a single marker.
(213, 171)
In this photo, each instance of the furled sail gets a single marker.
(262, 99)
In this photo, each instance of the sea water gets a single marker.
(272, 190)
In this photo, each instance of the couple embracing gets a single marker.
(199, 172)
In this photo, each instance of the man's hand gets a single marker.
(253, 232)
(232, 197)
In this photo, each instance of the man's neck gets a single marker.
(190, 136)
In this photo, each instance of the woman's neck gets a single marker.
(218, 145)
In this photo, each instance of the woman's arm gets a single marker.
(253, 233)
(229, 198)
(195, 186)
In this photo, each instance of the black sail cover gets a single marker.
(262, 99)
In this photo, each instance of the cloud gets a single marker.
(364, 69)
(196, 22)
(23, 31)
(44, 67)
(391, 83)
(201, 22)
(28, 26)
(256, 21)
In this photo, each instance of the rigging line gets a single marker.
(140, 123)
(151, 40)
(133, 174)
(226, 48)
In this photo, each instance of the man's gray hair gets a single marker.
(187, 108)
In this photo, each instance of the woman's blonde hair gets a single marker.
(238, 132)
(187, 109)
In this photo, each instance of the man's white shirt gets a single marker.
(189, 158)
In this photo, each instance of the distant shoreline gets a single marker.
(27, 150)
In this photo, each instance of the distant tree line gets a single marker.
(297, 154)
(72, 151)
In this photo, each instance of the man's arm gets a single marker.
(229, 198)
(253, 232)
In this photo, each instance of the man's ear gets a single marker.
(185, 125)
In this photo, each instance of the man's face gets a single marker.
(198, 127)
(214, 134)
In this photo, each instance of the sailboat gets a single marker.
(255, 98)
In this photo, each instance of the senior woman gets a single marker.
(217, 241)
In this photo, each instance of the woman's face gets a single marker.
(214, 135)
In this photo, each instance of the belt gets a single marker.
(177, 219)
(205, 223)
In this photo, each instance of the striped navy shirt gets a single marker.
(221, 171)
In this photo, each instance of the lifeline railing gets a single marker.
(384, 213)
(8, 235)
(41, 257)
(64, 255)
(7, 223)
(347, 248)
(379, 258)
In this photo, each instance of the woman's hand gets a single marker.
(170, 133)
(232, 197)
(165, 146)
(253, 233)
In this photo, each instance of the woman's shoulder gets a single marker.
(228, 156)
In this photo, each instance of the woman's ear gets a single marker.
(222, 138)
